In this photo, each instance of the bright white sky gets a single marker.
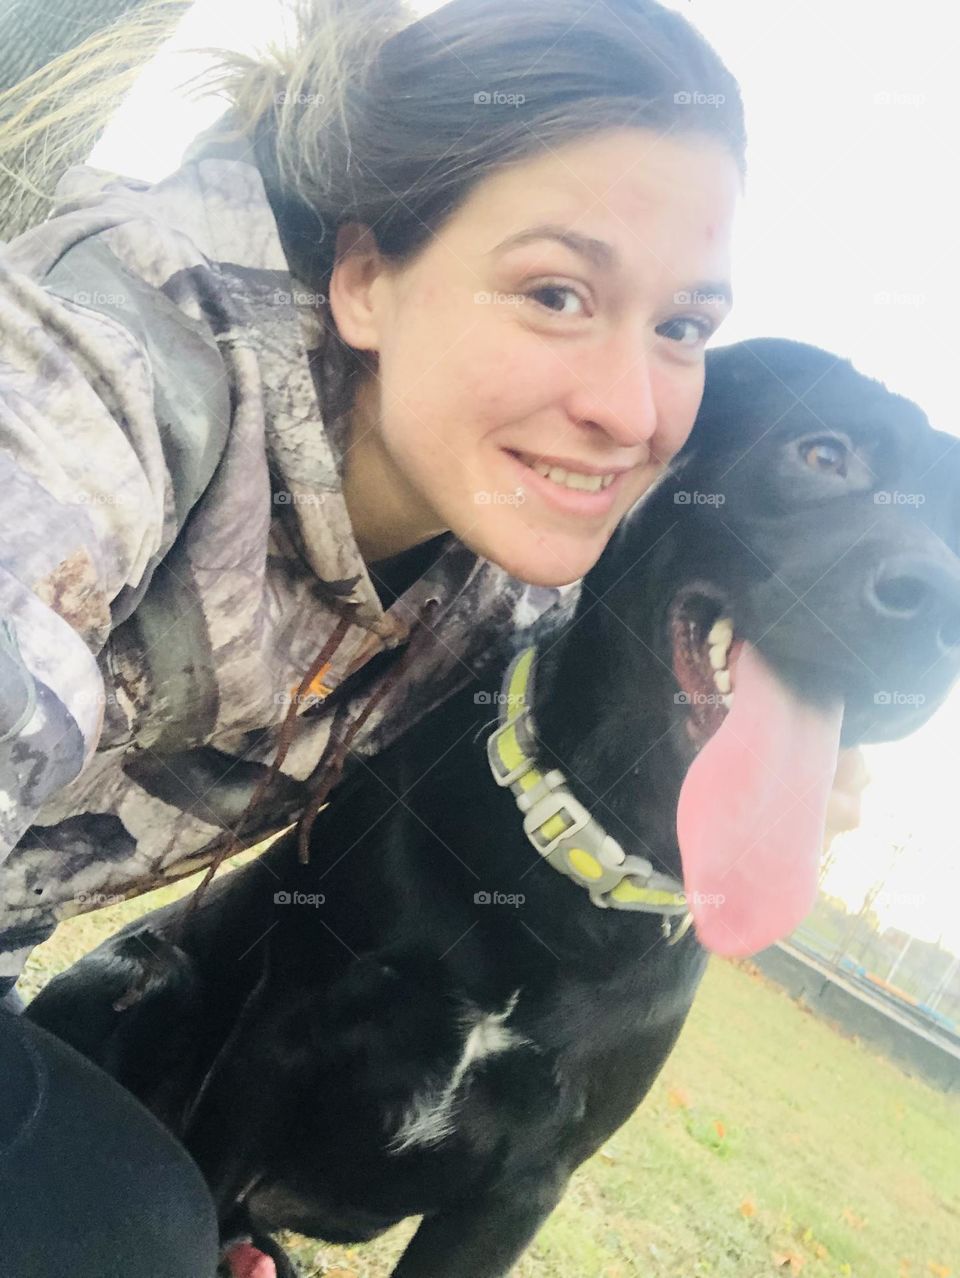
(847, 239)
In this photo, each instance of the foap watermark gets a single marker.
(891, 497)
(499, 299)
(693, 97)
(104, 697)
(690, 497)
(98, 899)
(686, 297)
(892, 697)
(306, 699)
(886, 897)
(704, 898)
(496, 97)
(103, 499)
(299, 99)
(898, 97)
(499, 898)
(285, 498)
(299, 898)
(491, 497)
(108, 103)
(699, 698)
(890, 297)
(297, 297)
(98, 298)
(498, 698)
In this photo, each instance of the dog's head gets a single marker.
(793, 584)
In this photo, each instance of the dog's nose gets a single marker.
(921, 589)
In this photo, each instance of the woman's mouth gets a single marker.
(572, 491)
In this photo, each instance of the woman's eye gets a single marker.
(554, 291)
(828, 456)
(686, 330)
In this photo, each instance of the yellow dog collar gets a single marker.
(558, 825)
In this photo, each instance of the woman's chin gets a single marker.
(546, 561)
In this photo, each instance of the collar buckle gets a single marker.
(554, 805)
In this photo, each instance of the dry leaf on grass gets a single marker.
(789, 1260)
(852, 1218)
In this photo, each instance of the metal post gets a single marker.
(899, 959)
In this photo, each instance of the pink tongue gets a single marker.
(751, 815)
(247, 1261)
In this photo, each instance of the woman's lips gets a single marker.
(571, 501)
(563, 463)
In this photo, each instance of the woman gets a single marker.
(387, 361)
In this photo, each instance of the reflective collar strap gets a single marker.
(560, 828)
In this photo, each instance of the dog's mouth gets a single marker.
(705, 653)
(752, 806)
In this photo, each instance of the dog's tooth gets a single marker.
(721, 632)
(718, 656)
(721, 679)
(727, 701)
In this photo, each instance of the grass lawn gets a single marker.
(769, 1145)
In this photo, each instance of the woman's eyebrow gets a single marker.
(606, 258)
(599, 252)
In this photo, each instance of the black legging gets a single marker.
(91, 1185)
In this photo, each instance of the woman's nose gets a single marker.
(615, 393)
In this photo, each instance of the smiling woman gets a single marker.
(482, 376)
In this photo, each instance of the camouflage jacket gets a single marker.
(176, 548)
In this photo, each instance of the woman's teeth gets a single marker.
(570, 478)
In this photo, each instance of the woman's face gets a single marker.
(557, 320)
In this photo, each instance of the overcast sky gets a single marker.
(847, 238)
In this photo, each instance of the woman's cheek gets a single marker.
(513, 381)
(677, 398)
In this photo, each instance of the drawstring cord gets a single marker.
(316, 801)
(232, 844)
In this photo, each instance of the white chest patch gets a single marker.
(432, 1115)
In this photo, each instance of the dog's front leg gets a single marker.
(481, 1239)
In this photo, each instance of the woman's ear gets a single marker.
(355, 297)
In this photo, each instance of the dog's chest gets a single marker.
(433, 1113)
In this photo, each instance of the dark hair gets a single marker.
(372, 116)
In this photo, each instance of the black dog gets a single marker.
(455, 1025)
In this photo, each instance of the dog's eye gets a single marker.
(828, 456)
